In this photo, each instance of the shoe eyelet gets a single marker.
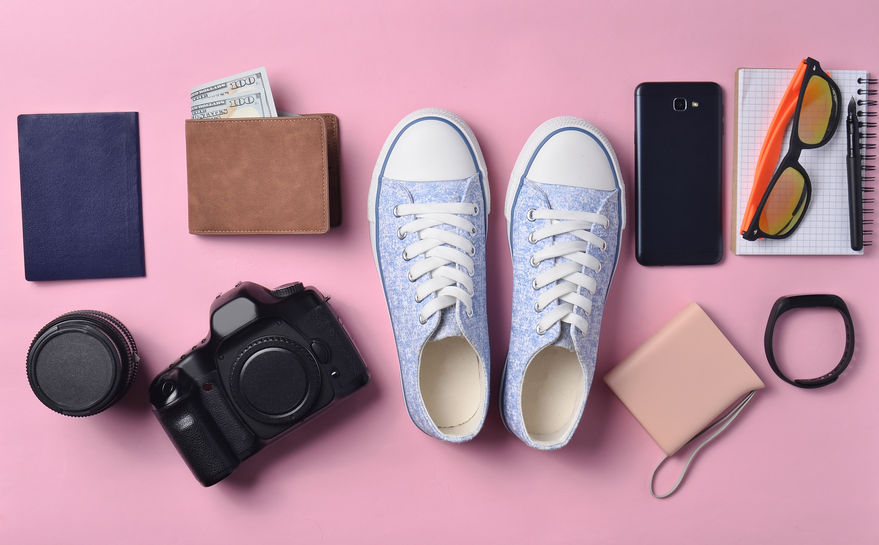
(473, 232)
(599, 268)
(401, 234)
(530, 214)
(603, 246)
(422, 320)
(475, 209)
(534, 284)
(472, 251)
(537, 307)
(410, 277)
(406, 256)
(396, 211)
(470, 313)
(540, 331)
(531, 238)
(417, 300)
(533, 262)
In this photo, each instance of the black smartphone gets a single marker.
(678, 152)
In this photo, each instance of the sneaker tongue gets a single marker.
(448, 326)
(564, 340)
(441, 192)
(561, 197)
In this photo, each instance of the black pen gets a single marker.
(855, 184)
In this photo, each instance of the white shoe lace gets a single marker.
(567, 275)
(444, 250)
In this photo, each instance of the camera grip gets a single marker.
(194, 434)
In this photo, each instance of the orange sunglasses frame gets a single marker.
(771, 149)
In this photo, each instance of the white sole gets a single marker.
(531, 145)
(379, 165)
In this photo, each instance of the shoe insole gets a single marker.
(452, 385)
(552, 391)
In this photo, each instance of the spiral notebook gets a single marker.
(825, 228)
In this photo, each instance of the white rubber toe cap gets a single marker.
(430, 150)
(573, 158)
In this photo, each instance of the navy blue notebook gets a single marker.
(80, 195)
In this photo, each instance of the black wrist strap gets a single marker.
(785, 304)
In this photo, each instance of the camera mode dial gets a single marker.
(287, 290)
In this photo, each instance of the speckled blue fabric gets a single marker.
(410, 334)
(525, 342)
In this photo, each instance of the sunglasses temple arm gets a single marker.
(771, 149)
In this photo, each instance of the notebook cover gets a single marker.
(682, 379)
(80, 195)
(825, 227)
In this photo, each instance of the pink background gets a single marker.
(798, 467)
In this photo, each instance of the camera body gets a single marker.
(272, 359)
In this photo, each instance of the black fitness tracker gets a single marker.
(785, 304)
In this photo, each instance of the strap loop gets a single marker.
(711, 433)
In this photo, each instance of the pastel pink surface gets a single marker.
(797, 467)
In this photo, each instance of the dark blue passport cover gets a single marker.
(80, 195)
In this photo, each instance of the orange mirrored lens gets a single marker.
(783, 208)
(815, 112)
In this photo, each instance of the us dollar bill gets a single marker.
(243, 105)
(245, 83)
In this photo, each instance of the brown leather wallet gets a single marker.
(267, 175)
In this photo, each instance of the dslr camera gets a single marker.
(272, 359)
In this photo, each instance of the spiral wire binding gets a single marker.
(866, 132)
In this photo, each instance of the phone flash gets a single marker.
(695, 104)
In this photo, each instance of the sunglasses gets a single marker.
(780, 195)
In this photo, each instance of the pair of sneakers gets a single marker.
(565, 210)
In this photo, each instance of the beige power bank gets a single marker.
(682, 379)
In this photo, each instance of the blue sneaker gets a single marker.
(428, 205)
(565, 210)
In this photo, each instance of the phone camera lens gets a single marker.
(680, 104)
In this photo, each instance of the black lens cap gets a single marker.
(82, 363)
(275, 380)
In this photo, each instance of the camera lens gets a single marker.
(82, 363)
(680, 104)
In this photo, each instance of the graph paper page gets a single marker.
(825, 227)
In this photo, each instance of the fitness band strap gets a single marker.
(711, 433)
(785, 304)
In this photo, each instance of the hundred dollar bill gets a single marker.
(252, 81)
(244, 105)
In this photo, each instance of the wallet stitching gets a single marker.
(260, 231)
(324, 175)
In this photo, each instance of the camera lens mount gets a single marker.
(275, 380)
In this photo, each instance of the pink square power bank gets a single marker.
(682, 379)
